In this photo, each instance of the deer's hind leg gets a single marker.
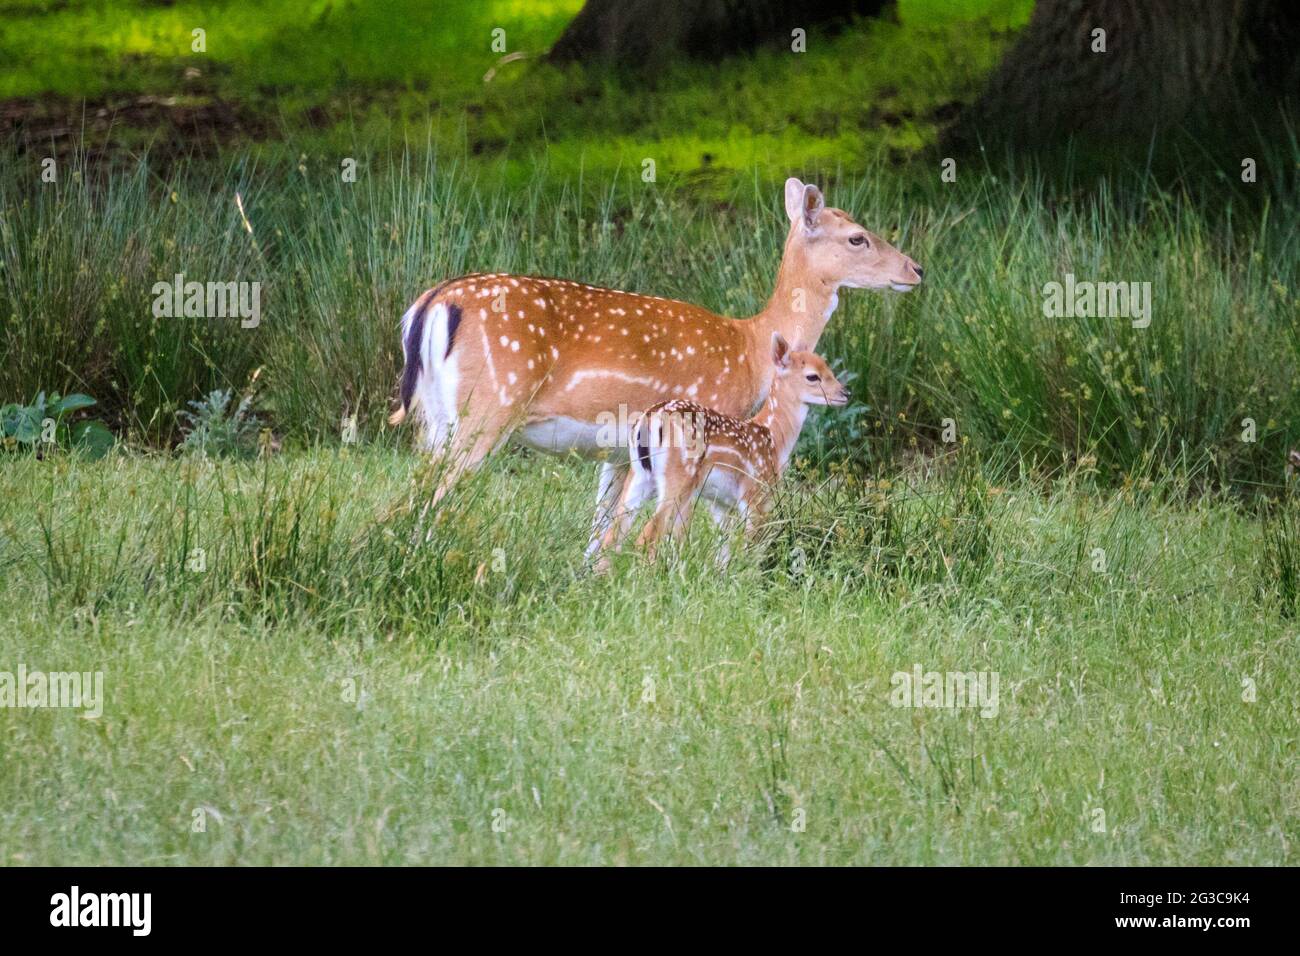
(484, 401)
(468, 446)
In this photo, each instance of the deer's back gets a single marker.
(569, 350)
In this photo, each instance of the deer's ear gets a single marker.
(794, 199)
(813, 204)
(780, 351)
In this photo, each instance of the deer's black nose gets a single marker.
(920, 273)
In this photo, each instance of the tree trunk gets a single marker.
(643, 33)
(1164, 62)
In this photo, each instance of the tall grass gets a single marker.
(340, 261)
(78, 261)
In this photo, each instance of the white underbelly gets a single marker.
(560, 436)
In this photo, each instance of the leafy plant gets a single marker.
(45, 424)
(214, 428)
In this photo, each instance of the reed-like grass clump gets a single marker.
(970, 358)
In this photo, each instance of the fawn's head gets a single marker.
(836, 251)
(806, 375)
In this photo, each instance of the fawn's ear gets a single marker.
(780, 351)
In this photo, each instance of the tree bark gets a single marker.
(645, 33)
(1165, 62)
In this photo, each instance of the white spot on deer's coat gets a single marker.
(491, 366)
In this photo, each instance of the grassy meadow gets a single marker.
(321, 691)
(1096, 513)
(281, 660)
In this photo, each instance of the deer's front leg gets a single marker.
(720, 516)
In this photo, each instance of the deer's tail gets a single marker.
(425, 345)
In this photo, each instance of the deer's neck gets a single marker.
(783, 416)
(801, 303)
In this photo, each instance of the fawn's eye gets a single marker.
(859, 240)
(813, 377)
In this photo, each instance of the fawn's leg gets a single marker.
(613, 478)
(637, 487)
(654, 529)
(673, 513)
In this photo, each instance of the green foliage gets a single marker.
(215, 428)
(888, 534)
(305, 645)
(79, 259)
(44, 424)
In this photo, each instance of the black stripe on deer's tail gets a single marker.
(411, 349)
(453, 323)
(643, 444)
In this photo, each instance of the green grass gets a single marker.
(88, 48)
(325, 692)
(315, 78)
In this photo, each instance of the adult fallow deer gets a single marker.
(552, 363)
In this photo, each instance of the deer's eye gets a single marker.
(813, 377)
(859, 240)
